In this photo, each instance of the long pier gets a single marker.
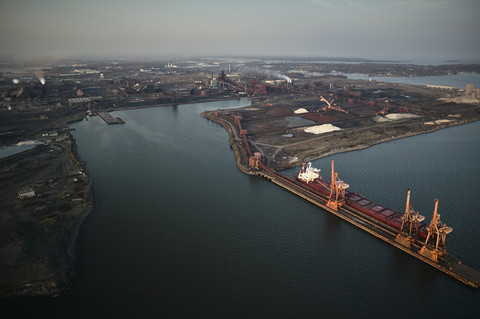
(445, 263)
(109, 119)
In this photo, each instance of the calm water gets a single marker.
(373, 59)
(458, 81)
(179, 232)
(7, 151)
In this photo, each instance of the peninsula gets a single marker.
(299, 111)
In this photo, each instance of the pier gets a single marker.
(110, 119)
(388, 234)
(446, 264)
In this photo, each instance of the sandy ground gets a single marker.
(460, 100)
(397, 116)
(301, 111)
(321, 129)
(437, 122)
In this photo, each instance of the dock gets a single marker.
(110, 119)
(446, 264)
(388, 234)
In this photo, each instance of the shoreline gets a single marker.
(232, 140)
(242, 162)
(63, 284)
(57, 278)
(82, 216)
(361, 147)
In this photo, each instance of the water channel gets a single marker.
(179, 232)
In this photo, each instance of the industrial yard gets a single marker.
(45, 196)
(408, 231)
(299, 111)
(334, 114)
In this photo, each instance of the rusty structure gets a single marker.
(329, 106)
(409, 230)
(434, 246)
(337, 191)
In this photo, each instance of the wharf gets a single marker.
(110, 119)
(446, 264)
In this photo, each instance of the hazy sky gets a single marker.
(365, 28)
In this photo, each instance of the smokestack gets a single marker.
(39, 74)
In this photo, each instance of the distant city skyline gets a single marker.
(148, 28)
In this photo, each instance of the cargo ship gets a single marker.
(310, 177)
(407, 232)
(412, 235)
(409, 226)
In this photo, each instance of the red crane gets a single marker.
(329, 106)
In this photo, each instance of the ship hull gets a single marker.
(359, 203)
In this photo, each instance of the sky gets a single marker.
(330, 28)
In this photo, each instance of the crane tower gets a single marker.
(409, 229)
(337, 191)
(434, 246)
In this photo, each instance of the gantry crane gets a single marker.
(409, 229)
(337, 191)
(434, 246)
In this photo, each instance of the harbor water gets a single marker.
(6, 151)
(459, 81)
(179, 232)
